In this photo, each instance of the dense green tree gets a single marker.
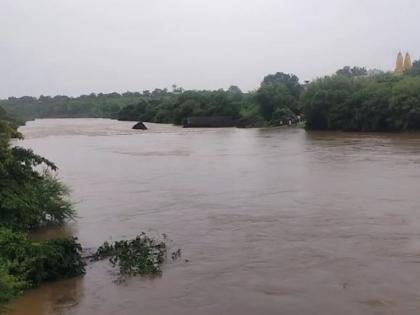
(29, 198)
(278, 96)
(235, 93)
(381, 103)
(34, 262)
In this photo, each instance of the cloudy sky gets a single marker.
(80, 46)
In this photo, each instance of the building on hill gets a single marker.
(407, 62)
(403, 64)
(399, 65)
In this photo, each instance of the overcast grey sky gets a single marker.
(80, 46)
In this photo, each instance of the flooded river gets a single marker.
(275, 221)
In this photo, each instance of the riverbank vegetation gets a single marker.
(30, 198)
(275, 102)
(381, 103)
(352, 99)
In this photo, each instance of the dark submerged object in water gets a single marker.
(247, 123)
(140, 126)
(209, 122)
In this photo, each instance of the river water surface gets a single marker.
(274, 221)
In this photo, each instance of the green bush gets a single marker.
(10, 286)
(25, 264)
(140, 256)
(34, 262)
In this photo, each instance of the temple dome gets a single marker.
(407, 62)
(399, 66)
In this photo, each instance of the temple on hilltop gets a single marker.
(403, 64)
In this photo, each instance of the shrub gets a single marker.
(10, 286)
(140, 256)
(34, 262)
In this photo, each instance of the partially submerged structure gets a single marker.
(140, 125)
(209, 121)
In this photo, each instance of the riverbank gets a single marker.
(31, 198)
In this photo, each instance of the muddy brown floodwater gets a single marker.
(275, 221)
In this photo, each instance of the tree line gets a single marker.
(275, 101)
(354, 98)
(382, 102)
